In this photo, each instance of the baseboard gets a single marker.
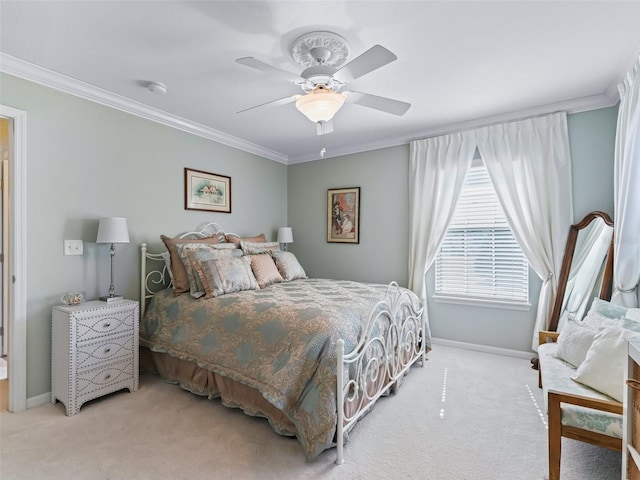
(38, 400)
(483, 348)
(46, 397)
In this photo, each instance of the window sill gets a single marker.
(479, 302)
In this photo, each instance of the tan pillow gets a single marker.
(264, 269)
(237, 240)
(256, 248)
(178, 272)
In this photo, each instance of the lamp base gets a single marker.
(115, 298)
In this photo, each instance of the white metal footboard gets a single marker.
(395, 339)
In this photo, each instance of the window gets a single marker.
(480, 258)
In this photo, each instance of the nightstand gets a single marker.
(94, 350)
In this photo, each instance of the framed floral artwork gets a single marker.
(343, 215)
(206, 191)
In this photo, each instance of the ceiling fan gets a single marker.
(322, 55)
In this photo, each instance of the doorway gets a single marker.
(13, 293)
(6, 129)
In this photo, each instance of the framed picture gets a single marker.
(206, 191)
(343, 215)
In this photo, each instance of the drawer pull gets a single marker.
(107, 350)
(107, 377)
(107, 325)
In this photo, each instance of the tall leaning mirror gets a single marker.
(587, 269)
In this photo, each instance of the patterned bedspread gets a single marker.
(280, 340)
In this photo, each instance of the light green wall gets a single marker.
(382, 254)
(592, 137)
(86, 161)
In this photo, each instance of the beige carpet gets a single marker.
(466, 415)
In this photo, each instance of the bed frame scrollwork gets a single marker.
(396, 338)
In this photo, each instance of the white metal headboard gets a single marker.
(157, 277)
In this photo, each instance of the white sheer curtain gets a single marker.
(626, 253)
(529, 163)
(438, 167)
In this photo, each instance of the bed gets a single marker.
(310, 355)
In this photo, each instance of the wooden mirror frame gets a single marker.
(607, 276)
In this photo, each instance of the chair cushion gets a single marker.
(556, 375)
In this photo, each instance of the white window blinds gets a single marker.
(480, 257)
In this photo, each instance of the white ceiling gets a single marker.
(460, 63)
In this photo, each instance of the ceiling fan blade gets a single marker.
(374, 58)
(272, 103)
(265, 67)
(322, 128)
(395, 107)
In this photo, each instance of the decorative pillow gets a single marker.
(609, 314)
(574, 342)
(630, 323)
(264, 269)
(288, 266)
(178, 272)
(596, 320)
(603, 367)
(194, 252)
(236, 240)
(633, 314)
(225, 275)
(607, 309)
(255, 248)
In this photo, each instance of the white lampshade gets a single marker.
(320, 104)
(285, 235)
(113, 230)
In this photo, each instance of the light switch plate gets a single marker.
(73, 247)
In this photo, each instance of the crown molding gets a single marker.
(49, 78)
(43, 76)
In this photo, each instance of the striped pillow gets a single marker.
(288, 266)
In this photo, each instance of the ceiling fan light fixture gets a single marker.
(320, 104)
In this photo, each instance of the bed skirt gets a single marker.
(202, 382)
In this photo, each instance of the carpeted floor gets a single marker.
(466, 415)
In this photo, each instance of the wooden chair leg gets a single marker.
(555, 436)
(539, 377)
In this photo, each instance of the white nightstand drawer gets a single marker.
(98, 381)
(98, 324)
(102, 351)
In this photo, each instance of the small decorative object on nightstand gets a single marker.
(72, 298)
(94, 350)
(631, 416)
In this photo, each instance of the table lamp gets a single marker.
(112, 230)
(285, 236)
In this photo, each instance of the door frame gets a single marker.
(17, 261)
